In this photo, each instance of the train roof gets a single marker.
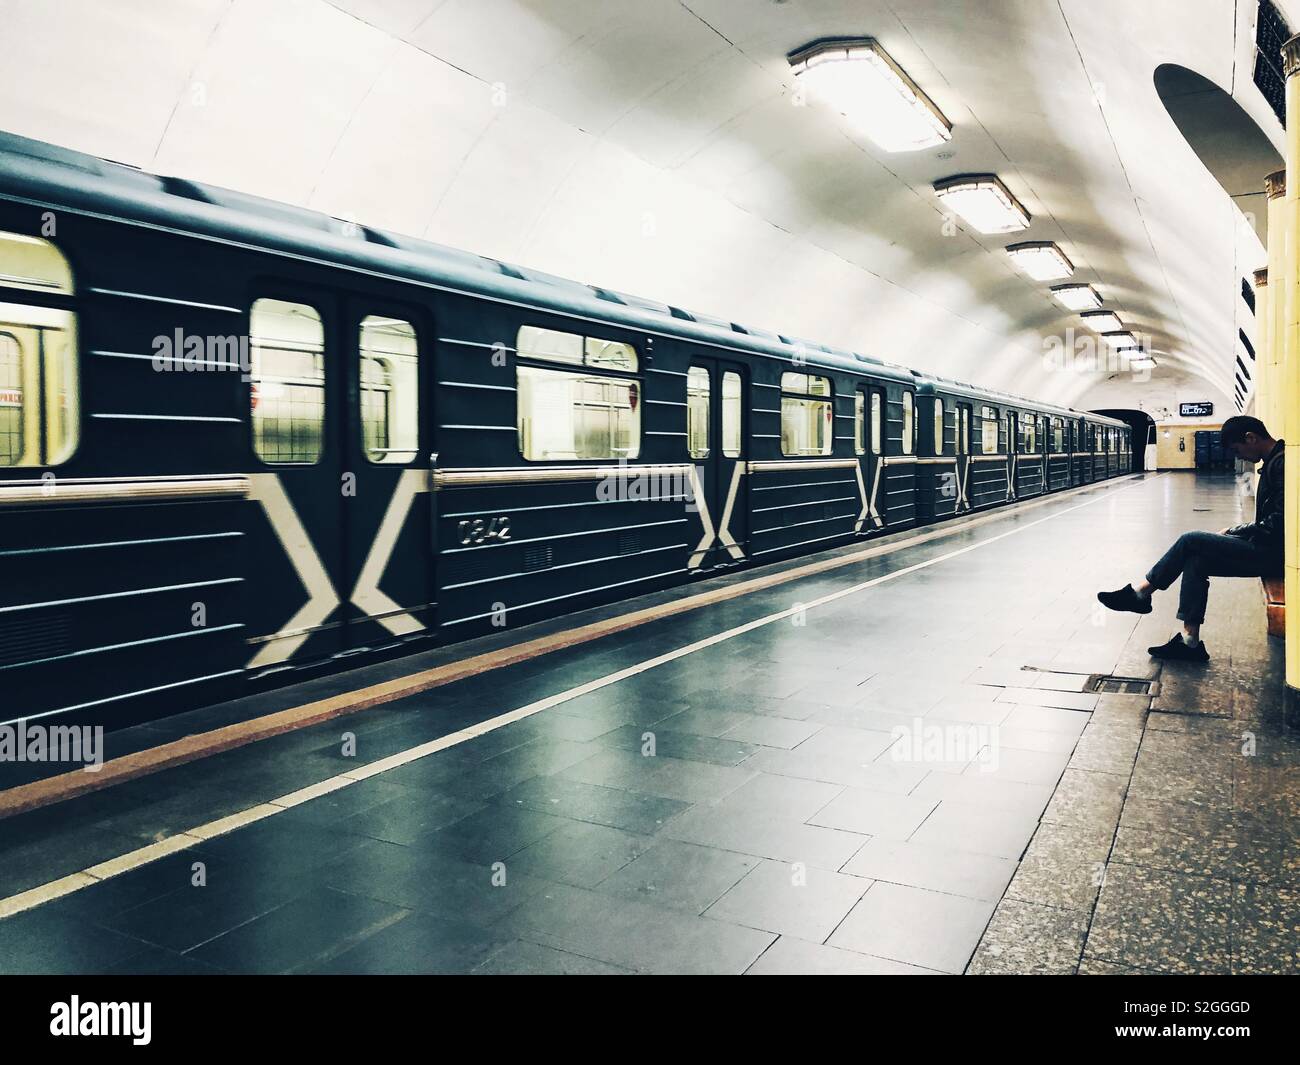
(46, 174)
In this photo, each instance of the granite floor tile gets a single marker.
(765, 836)
(682, 876)
(914, 926)
(669, 778)
(1064, 866)
(580, 854)
(615, 807)
(301, 935)
(39, 942)
(875, 813)
(954, 872)
(796, 957)
(1026, 939)
(954, 826)
(773, 731)
(443, 885)
(660, 741)
(522, 958)
(794, 900)
(1162, 921)
(417, 943)
(1265, 929)
(1087, 798)
(831, 769)
(790, 798)
(636, 935)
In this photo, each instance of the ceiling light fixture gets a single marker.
(1076, 297)
(1102, 321)
(1041, 259)
(984, 202)
(1120, 340)
(858, 78)
(1143, 362)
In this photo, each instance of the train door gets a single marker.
(386, 479)
(1013, 447)
(963, 458)
(295, 536)
(871, 451)
(717, 435)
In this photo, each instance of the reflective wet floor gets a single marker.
(895, 766)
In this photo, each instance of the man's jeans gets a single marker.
(1198, 556)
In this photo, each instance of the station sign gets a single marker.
(1195, 410)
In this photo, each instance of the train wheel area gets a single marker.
(931, 753)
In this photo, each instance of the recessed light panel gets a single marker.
(1041, 259)
(1076, 297)
(984, 202)
(857, 77)
(1103, 321)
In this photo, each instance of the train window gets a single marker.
(288, 390)
(552, 345)
(564, 415)
(805, 422)
(39, 416)
(989, 431)
(731, 414)
(1058, 436)
(938, 427)
(963, 431)
(390, 390)
(876, 423)
(1029, 446)
(697, 412)
(907, 439)
(859, 423)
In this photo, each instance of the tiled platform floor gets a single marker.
(754, 806)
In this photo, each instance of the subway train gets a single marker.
(242, 443)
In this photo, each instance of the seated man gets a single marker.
(1253, 550)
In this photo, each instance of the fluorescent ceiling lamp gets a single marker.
(1120, 340)
(1143, 362)
(1041, 259)
(984, 202)
(859, 79)
(1103, 321)
(1076, 297)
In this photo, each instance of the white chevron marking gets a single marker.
(322, 599)
(366, 595)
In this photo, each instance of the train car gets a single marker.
(242, 443)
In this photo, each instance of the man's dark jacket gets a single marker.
(1266, 530)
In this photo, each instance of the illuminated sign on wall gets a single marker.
(1195, 410)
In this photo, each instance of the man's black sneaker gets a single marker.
(1125, 599)
(1176, 650)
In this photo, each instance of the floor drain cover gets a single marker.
(1120, 686)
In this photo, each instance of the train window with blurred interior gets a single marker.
(876, 423)
(731, 415)
(1027, 446)
(938, 427)
(859, 423)
(697, 412)
(588, 413)
(806, 417)
(963, 430)
(1058, 436)
(39, 403)
(390, 390)
(989, 431)
(288, 381)
(907, 438)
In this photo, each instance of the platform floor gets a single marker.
(887, 767)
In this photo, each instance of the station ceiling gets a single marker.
(656, 147)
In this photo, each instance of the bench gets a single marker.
(1275, 604)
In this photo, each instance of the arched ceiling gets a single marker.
(654, 147)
